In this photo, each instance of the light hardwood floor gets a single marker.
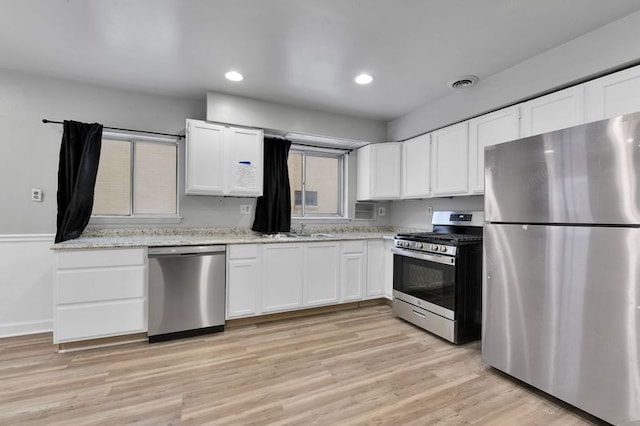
(360, 366)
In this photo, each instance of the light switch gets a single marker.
(245, 208)
(382, 211)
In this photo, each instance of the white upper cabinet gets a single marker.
(223, 160)
(612, 95)
(489, 129)
(416, 167)
(555, 111)
(450, 160)
(379, 171)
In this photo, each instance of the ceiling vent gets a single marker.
(463, 82)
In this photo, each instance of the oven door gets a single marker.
(426, 280)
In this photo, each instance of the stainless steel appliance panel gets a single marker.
(562, 312)
(443, 327)
(186, 288)
(588, 174)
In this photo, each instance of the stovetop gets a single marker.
(439, 238)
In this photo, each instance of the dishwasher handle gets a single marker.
(186, 250)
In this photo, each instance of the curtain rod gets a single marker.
(44, 120)
(267, 135)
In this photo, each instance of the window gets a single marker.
(317, 181)
(137, 177)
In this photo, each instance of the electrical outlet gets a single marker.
(36, 194)
(382, 211)
(245, 208)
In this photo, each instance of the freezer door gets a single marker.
(562, 313)
(588, 174)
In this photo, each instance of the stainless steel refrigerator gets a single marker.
(561, 289)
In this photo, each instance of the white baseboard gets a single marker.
(24, 328)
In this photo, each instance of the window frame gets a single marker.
(342, 156)
(147, 218)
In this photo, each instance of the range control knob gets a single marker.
(434, 247)
(406, 244)
(419, 245)
(443, 248)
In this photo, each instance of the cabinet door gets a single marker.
(353, 270)
(321, 274)
(282, 269)
(204, 158)
(244, 162)
(385, 170)
(416, 167)
(449, 160)
(375, 269)
(555, 111)
(242, 287)
(613, 95)
(489, 129)
(99, 293)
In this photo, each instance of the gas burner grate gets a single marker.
(439, 238)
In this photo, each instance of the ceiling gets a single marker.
(298, 52)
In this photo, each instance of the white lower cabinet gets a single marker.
(279, 277)
(321, 274)
(243, 280)
(353, 270)
(375, 269)
(99, 293)
(282, 272)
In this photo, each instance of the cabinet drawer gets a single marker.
(242, 251)
(94, 285)
(353, 246)
(99, 320)
(96, 258)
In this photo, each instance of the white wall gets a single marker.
(606, 48)
(252, 112)
(26, 284)
(30, 149)
(413, 213)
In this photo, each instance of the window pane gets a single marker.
(295, 181)
(154, 178)
(113, 184)
(322, 180)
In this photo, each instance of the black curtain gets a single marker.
(273, 209)
(77, 170)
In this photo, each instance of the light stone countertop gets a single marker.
(162, 237)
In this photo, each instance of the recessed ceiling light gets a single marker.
(363, 79)
(463, 82)
(234, 76)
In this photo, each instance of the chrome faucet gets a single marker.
(302, 225)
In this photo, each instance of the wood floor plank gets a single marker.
(348, 367)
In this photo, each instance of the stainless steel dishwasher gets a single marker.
(186, 291)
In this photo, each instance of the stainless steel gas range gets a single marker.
(437, 276)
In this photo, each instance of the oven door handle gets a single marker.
(437, 258)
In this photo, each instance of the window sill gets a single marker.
(134, 220)
(332, 219)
